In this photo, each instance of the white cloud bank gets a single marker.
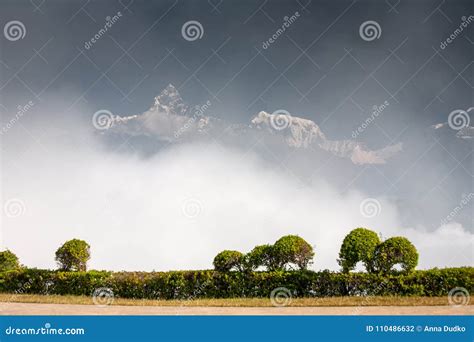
(141, 214)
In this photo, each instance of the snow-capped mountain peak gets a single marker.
(169, 119)
(304, 133)
(170, 101)
(298, 132)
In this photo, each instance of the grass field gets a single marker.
(234, 302)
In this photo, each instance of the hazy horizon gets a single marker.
(144, 201)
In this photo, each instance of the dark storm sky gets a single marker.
(319, 69)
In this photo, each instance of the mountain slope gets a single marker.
(170, 119)
(303, 133)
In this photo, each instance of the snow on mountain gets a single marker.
(170, 101)
(303, 133)
(298, 132)
(170, 119)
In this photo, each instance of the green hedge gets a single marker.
(212, 284)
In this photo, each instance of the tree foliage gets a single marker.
(8, 261)
(261, 256)
(289, 252)
(393, 251)
(73, 255)
(228, 261)
(292, 250)
(212, 284)
(358, 245)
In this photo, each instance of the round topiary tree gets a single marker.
(73, 255)
(393, 251)
(261, 256)
(358, 245)
(8, 261)
(292, 250)
(228, 260)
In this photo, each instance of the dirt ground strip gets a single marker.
(66, 309)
